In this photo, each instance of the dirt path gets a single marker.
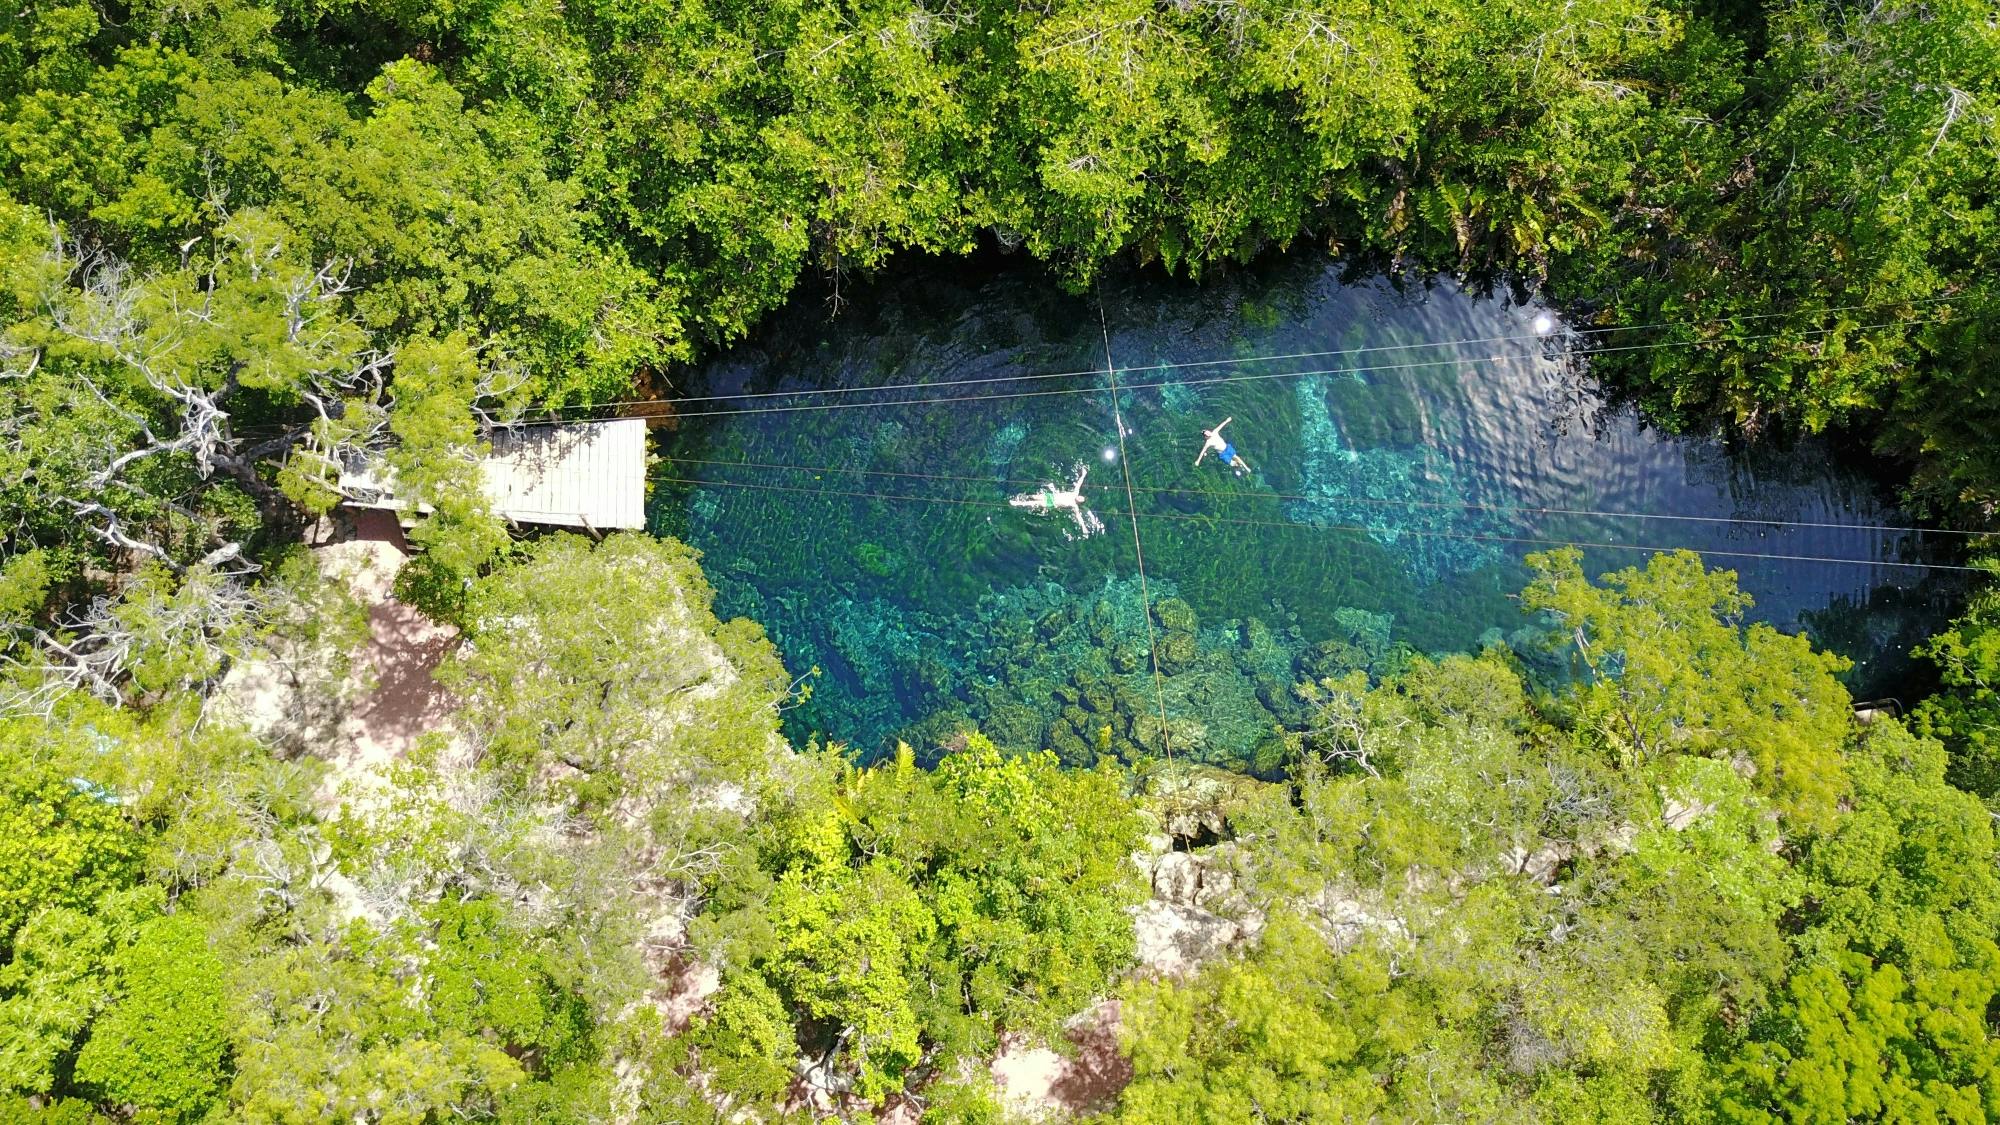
(403, 652)
(390, 697)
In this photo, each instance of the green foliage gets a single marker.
(1237, 1042)
(483, 981)
(1859, 1042)
(602, 666)
(63, 839)
(1669, 668)
(243, 241)
(749, 1041)
(134, 378)
(160, 1045)
(67, 1111)
(447, 996)
(899, 913)
(1965, 716)
(24, 585)
(328, 1030)
(1886, 1016)
(59, 977)
(1589, 903)
(435, 466)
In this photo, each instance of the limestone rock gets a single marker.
(1176, 878)
(1174, 940)
(1345, 918)
(1196, 803)
(1680, 815)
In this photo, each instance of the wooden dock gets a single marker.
(587, 475)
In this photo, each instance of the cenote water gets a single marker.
(1403, 458)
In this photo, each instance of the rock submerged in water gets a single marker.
(1014, 726)
(1182, 736)
(1097, 696)
(1047, 667)
(1175, 615)
(1178, 653)
(1052, 624)
(1071, 747)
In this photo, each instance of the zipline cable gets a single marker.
(1375, 501)
(1277, 356)
(1358, 528)
(1248, 378)
(1138, 549)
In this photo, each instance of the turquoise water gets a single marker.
(1395, 439)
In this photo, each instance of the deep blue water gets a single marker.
(1396, 442)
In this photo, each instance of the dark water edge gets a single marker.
(1387, 511)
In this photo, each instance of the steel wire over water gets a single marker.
(1390, 509)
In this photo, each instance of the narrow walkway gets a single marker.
(363, 724)
(403, 652)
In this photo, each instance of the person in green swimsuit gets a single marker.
(1053, 499)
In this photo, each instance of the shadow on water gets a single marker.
(1407, 448)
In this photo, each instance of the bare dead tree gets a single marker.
(94, 648)
(1342, 733)
(151, 336)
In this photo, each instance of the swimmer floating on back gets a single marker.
(1223, 450)
(1053, 499)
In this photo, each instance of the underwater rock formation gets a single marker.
(1404, 497)
(1072, 672)
(1180, 399)
(1046, 667)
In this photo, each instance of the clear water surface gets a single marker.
(1406, 447)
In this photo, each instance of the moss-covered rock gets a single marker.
(937, 735)
(1175, 615)
(877, 560)
(1178, 652)
(1270, 757)
(1184, 736)
(1197, 803)
(1071, 747)
(1103, 624)
(932, 677)
(1333, 659)
(1128, 702)
(1014, 726)
(1278, 698)
(1096, 695)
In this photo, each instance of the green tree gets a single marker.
(1886, 1016)
(487, 979)
(64, 841)
(1965, 715)
(58, 978)
(599, 667)
(1237, 1042)
(1668, 667)
(161, 1044)
(897, 918)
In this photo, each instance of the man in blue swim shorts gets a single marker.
(1223, 449)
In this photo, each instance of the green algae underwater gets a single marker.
(1407, 446)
